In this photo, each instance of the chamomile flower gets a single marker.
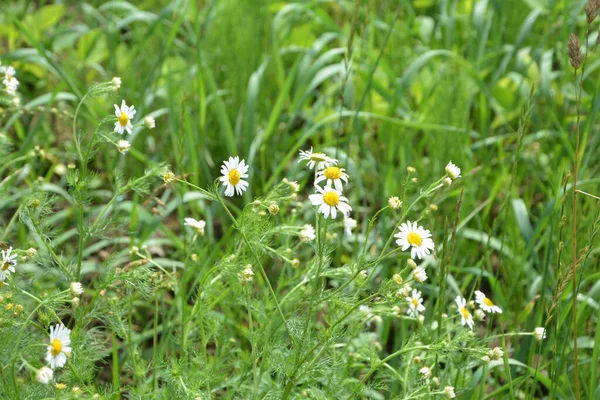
(124, 116)
(318, 160)
(449, 392)
(415, 304)
(123, 146)
(496, 353)
(247, 275)
(419, 274)
(425, 372)
(486, 304)
(332, 175)
(349, 225)
(9, 262)
(329, 201)
(149, 122)
(466, 318)
(539, 333)
(116, 82)
(59, 346)
(452, 170)
(307, 233)
(9, 80)
(414, 236)
(44, 375)
(197, 225)
(76, 288)
(394, 202)
(233, 172)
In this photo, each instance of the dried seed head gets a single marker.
(591, 10)
(574, 51)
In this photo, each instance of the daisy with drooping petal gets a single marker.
(9, 262)
(414, 236)
(466, 318)
(9, 80)
(486, 304)
(452, 170)
(330, 201)
(59, 346)
(123, 146)
(332, 175)
(307, 233)
(233, 172)
(124, 116)
(320, 160)
(415, 304)
(197, 225)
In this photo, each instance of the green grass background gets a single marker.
(381, 84)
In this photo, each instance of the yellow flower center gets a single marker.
(319, 157)
(331, 199)
(8, 77)
(234, 176)
(56, 347)
(5, 265)
(123, 119)
(415, 239)
(488, 302)
(464, 312)
(415, 301)
(333, 173)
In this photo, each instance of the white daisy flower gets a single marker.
(169, 177)
(292, 184)
(76, 288)
(539, 333)
(307, 233)
(415, 304)
(320, 160)
(394, 203)
(9, 80)
(349, 225)
(123, 146)
(419, 274)
(452, 170)
(44, 375)
(59, 346)
(149, 122)
(425, 372)
(273, 208)
(124, 116)
(414, 236)
(332, 175)
(9, 262)
(116, 82)
(486, 304)
(449, 392)
(198, 225)
(403, 291)
(465, 315)
(233, 172)
(330, 200)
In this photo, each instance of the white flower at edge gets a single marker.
(452, 170)
(59, 346)
(124, 116)
(415, 304)
(414, 236)
(307, 233)
(233, 172)
(44, 375)
(333, 176)
(466, 318)
(123, 146)
(449, 392)
(320, 160)
(419, 274)
(149, 122)
(198, 225)
(539, 333)
(329, 201)
(9, 262)
(76, 288)
(486, 304)
(9, 80)
(349, 224)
